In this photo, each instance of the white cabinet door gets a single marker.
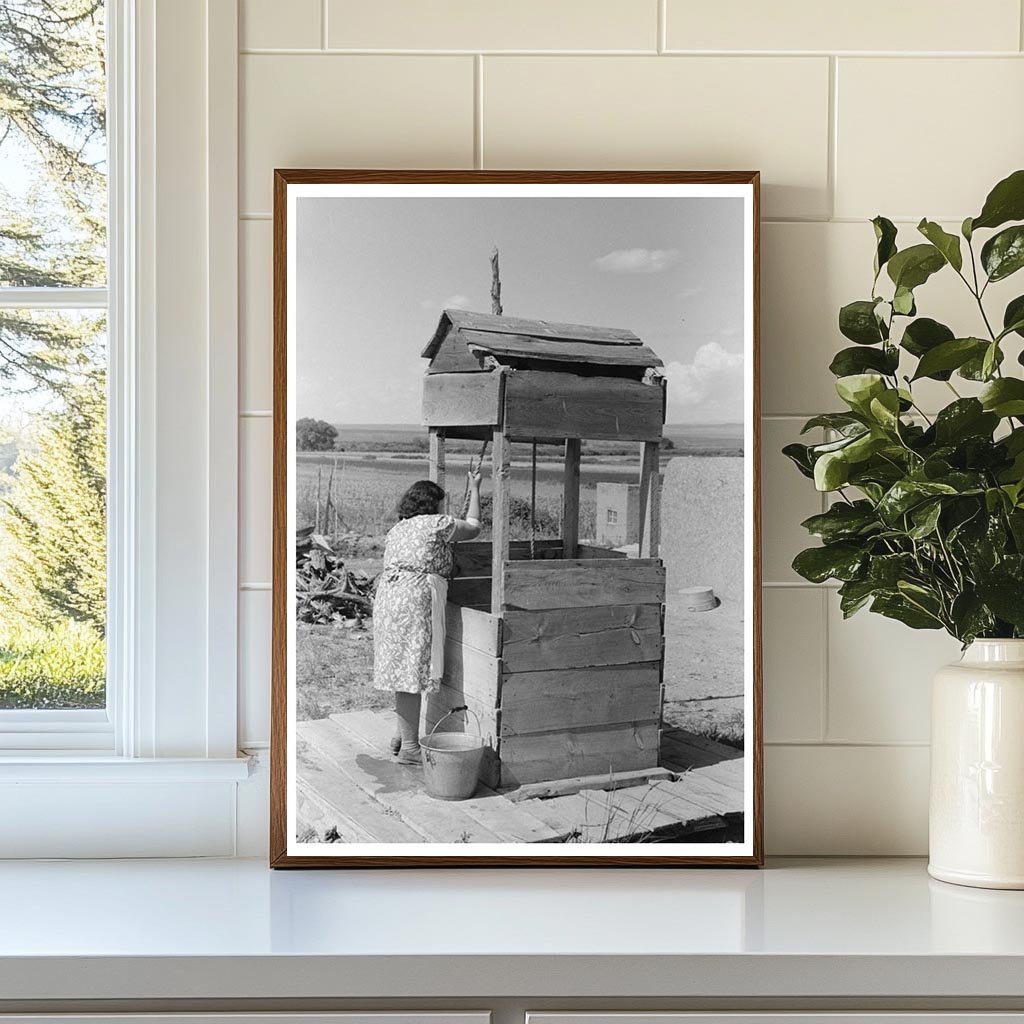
(790, 1017)
(360, 1017)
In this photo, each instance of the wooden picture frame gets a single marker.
(503, 380)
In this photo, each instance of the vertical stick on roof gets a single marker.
(495, 284)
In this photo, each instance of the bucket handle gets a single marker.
(455, 711)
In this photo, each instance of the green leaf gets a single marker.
(849, 361)
(1005, 596)
(974, 368)
(854, 595)
(858, 389)
(911, 267)
(971, 617)
(885, 237)
(966, 417)
(1005, 202)
(897, 607)
(950, 355)
(885, 409)
(947, 244)
(842, 521)
(799, 455)
(923, 335)
(1013, 317)
(887, 570)
(841, 421)
(990, 360)
(903, 302)
(831, 471)
(906, 494)
(857, 321)
(1004, 397)
(965, 229)
(842, 561)
(925, 518)
(1003, 254)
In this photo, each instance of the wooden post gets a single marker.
(571, 499)
(650, 502)
(495, 284)
(501, 467)
(436, 456)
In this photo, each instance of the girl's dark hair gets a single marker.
(420, 500)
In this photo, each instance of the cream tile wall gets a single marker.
(906, 109)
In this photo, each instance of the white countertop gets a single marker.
(234, 929)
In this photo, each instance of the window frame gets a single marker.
(79, 730)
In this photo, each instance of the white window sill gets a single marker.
(74, 766)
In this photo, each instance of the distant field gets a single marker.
(688, 439)
(375, 464)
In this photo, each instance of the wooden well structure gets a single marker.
(559, 654)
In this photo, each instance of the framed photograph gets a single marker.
(516, 608)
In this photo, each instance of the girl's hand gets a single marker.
(474, 474)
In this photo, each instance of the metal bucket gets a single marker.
(451, 761)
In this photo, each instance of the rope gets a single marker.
(533, 504)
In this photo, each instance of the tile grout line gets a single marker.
(478, 111)
(340, 51)
(323, 24)
(832, 146)
(1020, 26)
(662, 26)
(824, 724)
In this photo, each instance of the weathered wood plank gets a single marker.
(588, 584)
(436, 458)
(574, 698)
(654, 507)
(581, 637)
(473, 628)
(591, 551)
(470, 592)
(566, 787)
(523, 346)
(565, 815)
(720, 751)
(398, 787)
(644, 494)
(493, 813)
(686, 751)
(474, 558)
(453, 356)
(461, 399)
(501, 483)
(728, 773)
(357, 816)
(471, 672)
(563, 755)
(706, 793)
(571, 498)
(543, 404)
(620, 815)
(464, 318)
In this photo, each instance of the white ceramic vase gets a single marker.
(976, 817)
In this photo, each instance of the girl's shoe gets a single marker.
(410, 755)
(396, 743)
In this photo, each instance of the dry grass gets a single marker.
(334, 672)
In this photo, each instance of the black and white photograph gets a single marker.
(515, 520)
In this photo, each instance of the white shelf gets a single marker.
(222, 929)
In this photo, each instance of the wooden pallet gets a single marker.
(348, 784)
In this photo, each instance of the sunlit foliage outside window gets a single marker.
(53, 216)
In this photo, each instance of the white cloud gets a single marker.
(452, 302)
(637, 261)
(709, 388)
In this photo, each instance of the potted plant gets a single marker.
(926, 524)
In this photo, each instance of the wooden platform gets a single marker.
(350, 787)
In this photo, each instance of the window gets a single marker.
(53, 365)
(613, 516)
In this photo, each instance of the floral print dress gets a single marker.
(402, 615)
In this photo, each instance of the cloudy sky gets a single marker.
(374, 274)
